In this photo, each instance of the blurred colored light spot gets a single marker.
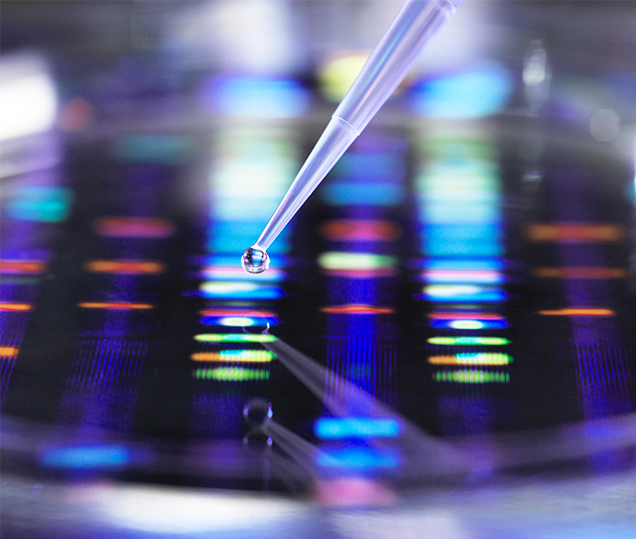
(352, 492)
(466, 315)
(115, 305)
(333, 428)
(133, 227)
(28, 102)
(248, 356)
(469, 376)
(86, 457)
(331, 261)
(370, 194)
(463, 264)
(580, 273)
(465, 324)
(357, 309)
(153, 149)
(578, 311)
(480, 91)
(4, 306)
(234, 337)
(77, 115)
(231, 374)
(125, 266)
(252, 313)
(338, 73)
(251, 96)
(239, 290)
(452, 293)
(372, 164)
(9, 351)
(236, 321)
(233, 273)
(357, 230)
(39, 203)
(463, 276)
(465, 341)
(468, 324)
(574, 233)
(358, 458)
(238, 317)
(471, 359)
(21, 266)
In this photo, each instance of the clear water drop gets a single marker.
(255, 260)
(258, 412)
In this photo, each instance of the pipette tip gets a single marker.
(255, 260)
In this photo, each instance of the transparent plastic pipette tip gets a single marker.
(255, 260)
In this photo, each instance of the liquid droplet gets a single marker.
(258, 412)
(255, 260)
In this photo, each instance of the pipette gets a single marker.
(415, 24)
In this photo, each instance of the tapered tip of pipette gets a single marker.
(255, 260)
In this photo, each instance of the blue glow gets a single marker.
(231, 260)
(255, 97)
(374, 194)
(333, 428)
(482, 232)
(468, 323)
(457, 212)
(367, 166)
(238, 321)
(358, 458)
(86, 457)
(473, 93)
(463, 293)
(39, 203)
(449, 246)
(476, 264)
(249, 210)
(228, 237)
(156, 149)
(237, 273)
(239, 290)
(463, 276)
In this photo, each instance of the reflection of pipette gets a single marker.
(392, 59)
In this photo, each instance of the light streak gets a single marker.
(125, 266)
(471, 359)
(463, 276)
(580, 273)
(115, 305)
(357, 309)
(233, 273)
(463, 292)
(239, 290)
(231, 374)
(133, 227)
(465, 341)
(234, 337)
(578, 311)
(21, 266)
(335, 428)
(358, 230)
(574, 232)
(466, 315)
(469, 376)
(247, 356)
(358, 458)
(15, 307)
